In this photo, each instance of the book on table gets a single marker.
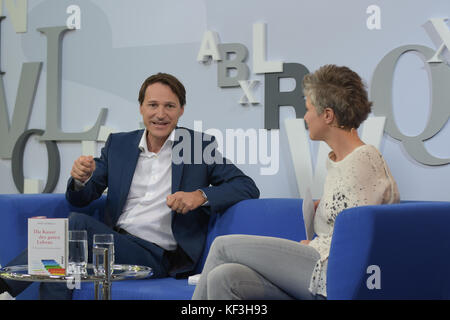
(47, 246)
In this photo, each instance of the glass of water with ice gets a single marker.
(105, 241)
(78, 252)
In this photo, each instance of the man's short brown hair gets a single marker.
(169, 80)
(340, 89)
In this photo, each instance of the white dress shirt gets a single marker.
(146, 214)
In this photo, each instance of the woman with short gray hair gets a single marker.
(257, 267)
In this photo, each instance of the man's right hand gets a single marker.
(82, 168)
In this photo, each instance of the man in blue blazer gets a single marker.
(222, 185)
(177, 168)
(163, 182)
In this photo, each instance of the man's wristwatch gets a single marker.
(204, 197)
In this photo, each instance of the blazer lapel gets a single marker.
(132, 152)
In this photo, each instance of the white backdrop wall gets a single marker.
(120, 43)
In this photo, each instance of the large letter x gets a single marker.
(441, 28)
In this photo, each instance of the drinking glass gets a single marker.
(78, 252)
(105, 241)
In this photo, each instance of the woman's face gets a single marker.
(315, 122)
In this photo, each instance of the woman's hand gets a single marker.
(316, 204)
(305, 242)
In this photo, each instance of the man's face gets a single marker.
(160, 110)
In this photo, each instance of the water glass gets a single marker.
(78, 252)
(105, 241)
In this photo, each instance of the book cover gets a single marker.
(47, 246)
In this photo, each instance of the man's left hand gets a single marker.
(183, 202)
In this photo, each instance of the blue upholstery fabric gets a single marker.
(155, 289)
(409, 242)
(16, 209)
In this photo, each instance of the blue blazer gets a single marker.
(223, 183)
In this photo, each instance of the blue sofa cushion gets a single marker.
(270, 217)
(265, 217)
(155, 289)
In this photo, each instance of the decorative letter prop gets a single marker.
(17, 10)
(247, 86)
(441, 28)
(381, 95)
(53, 161)
(26, 92)
(260, 65)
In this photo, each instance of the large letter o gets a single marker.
(17, 161)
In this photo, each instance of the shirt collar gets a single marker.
(143, 143)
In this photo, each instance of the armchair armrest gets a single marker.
(409, 242)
